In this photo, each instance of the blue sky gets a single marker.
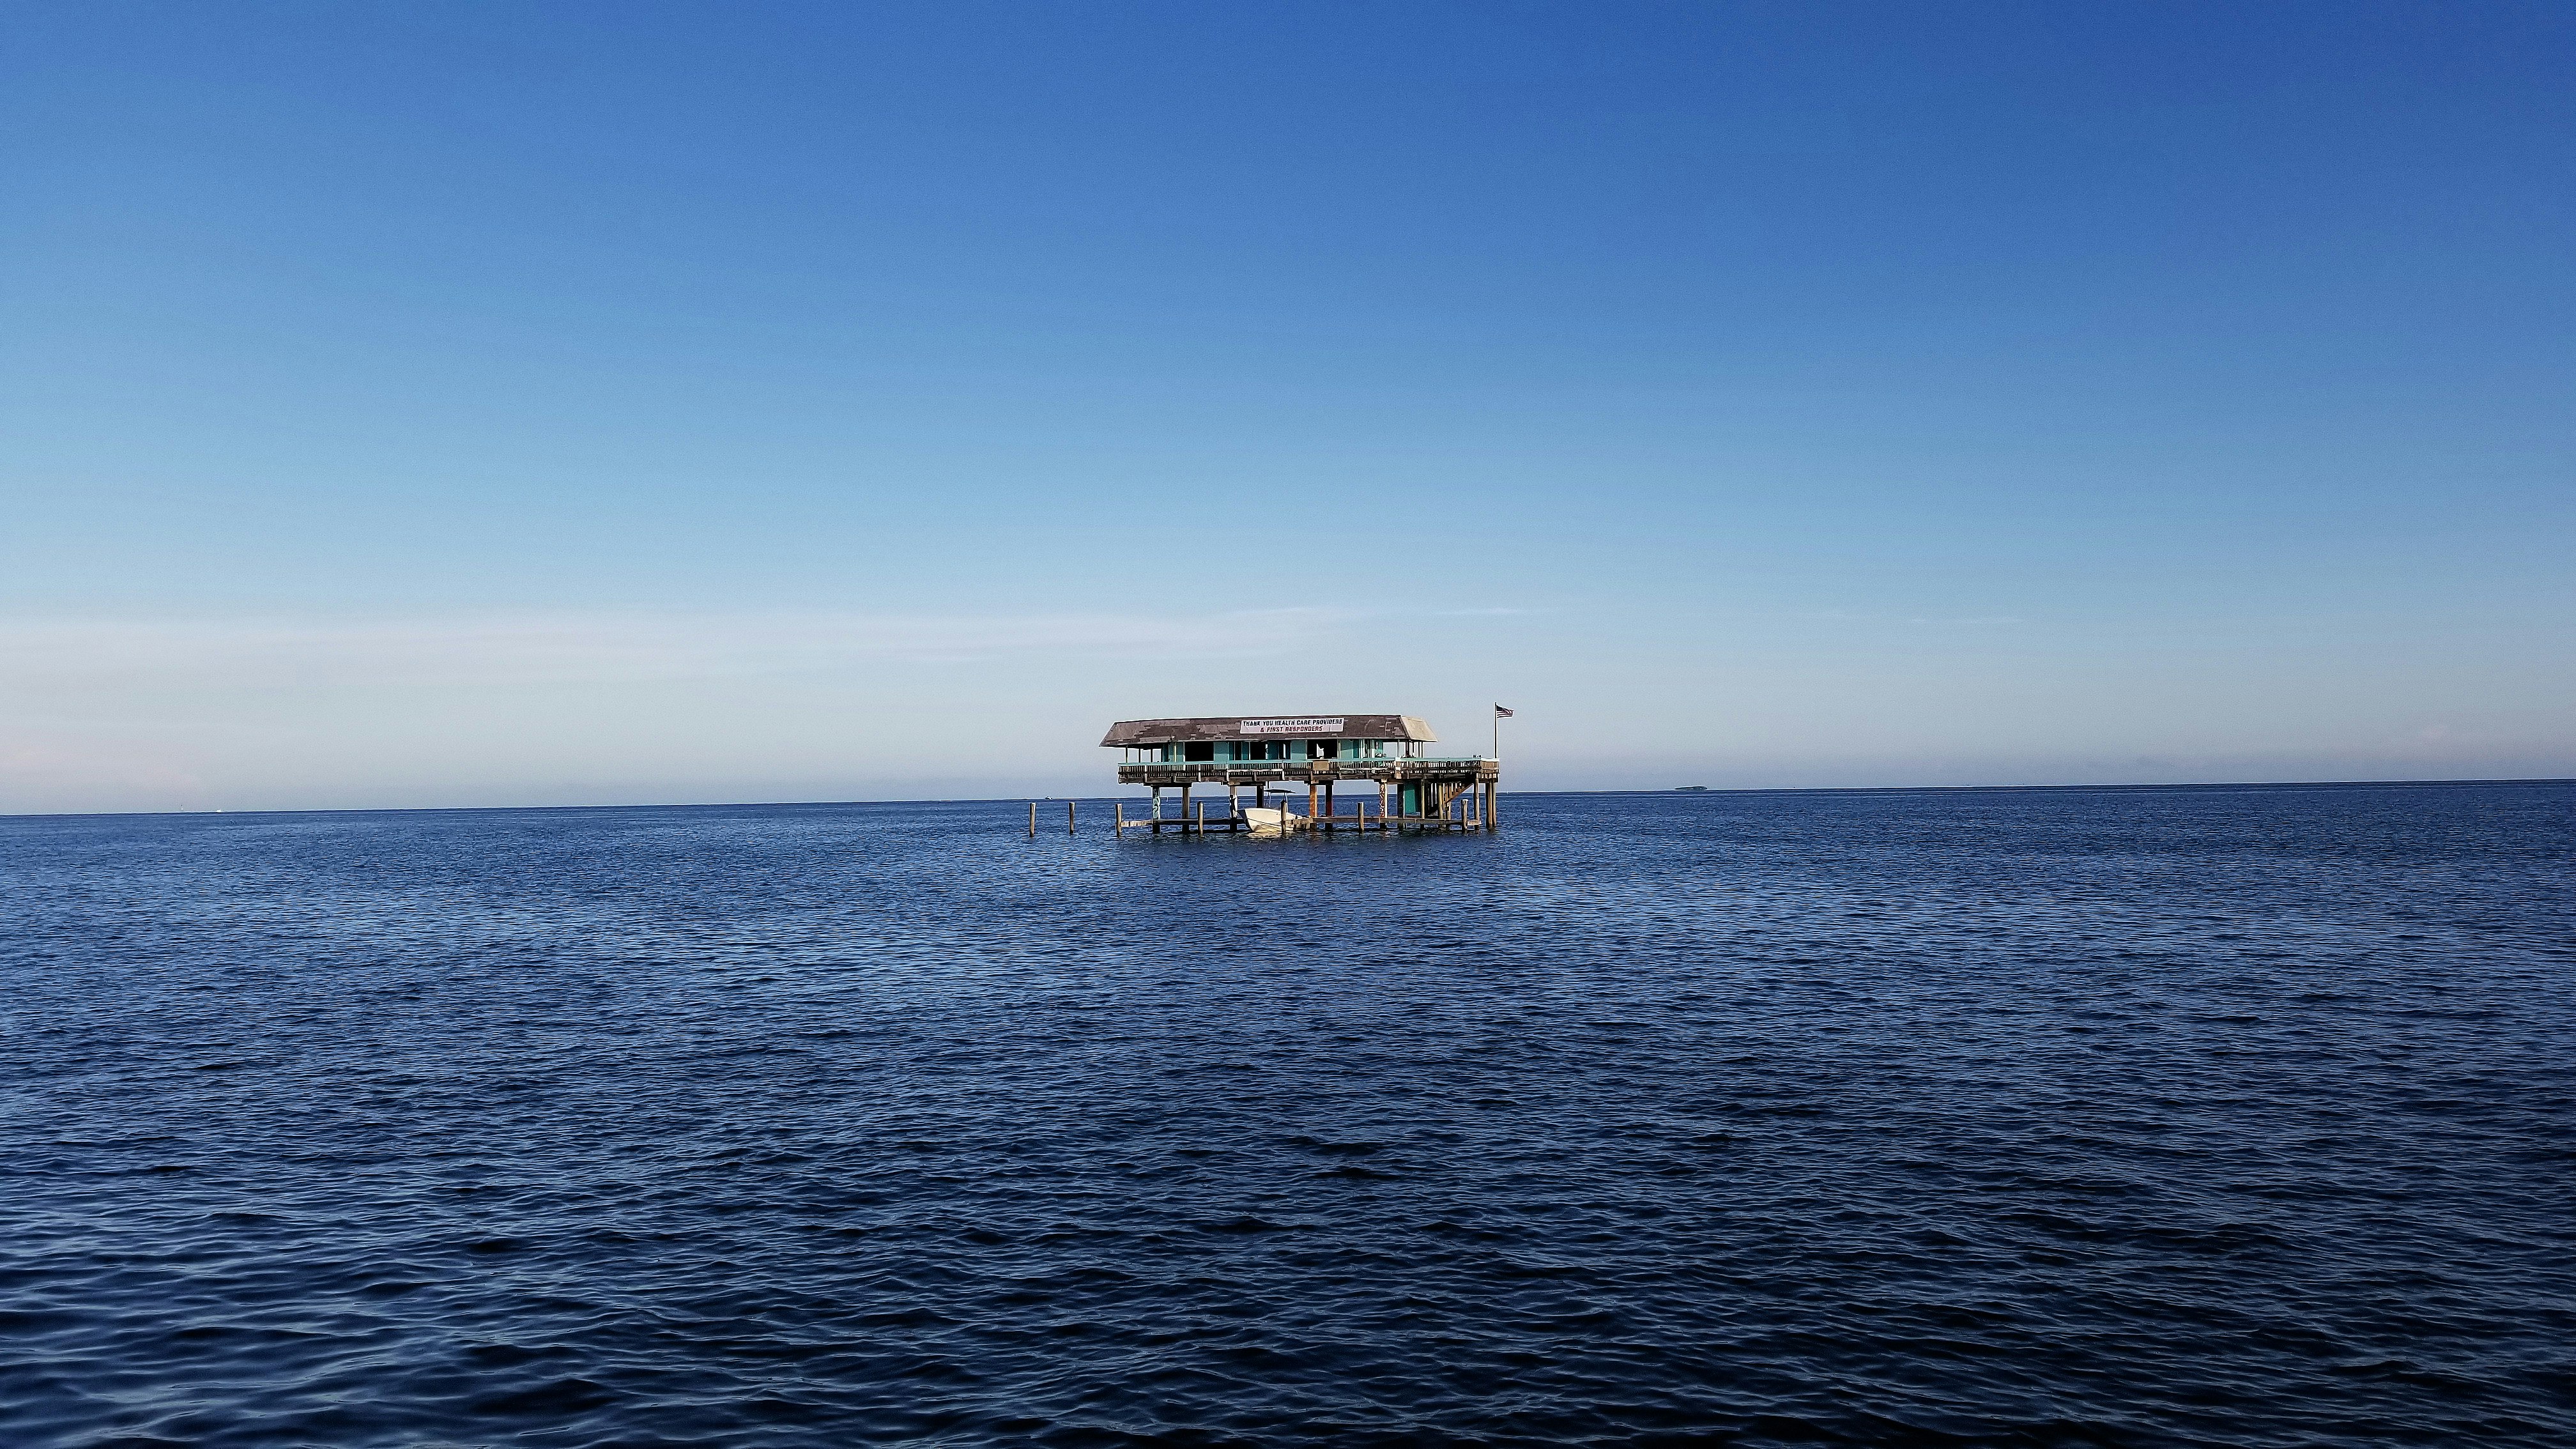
(535, 404)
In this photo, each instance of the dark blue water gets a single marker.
(2226, 1117)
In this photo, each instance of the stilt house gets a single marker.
(1257, 755)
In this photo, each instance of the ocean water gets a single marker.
(2149, 1117)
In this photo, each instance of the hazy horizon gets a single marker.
(1113, 793)
(557, 405)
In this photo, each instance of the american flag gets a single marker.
(1501, 713)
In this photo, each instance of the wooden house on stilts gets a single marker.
(1372, 766)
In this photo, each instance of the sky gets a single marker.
(553, 404)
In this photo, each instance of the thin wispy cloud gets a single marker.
(608, 648)
(1970, 621)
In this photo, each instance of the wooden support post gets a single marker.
(1158, 810)
(1381, 802)
(1033, 820)
(1068, 817)
(1118, 817)
(1201, 828)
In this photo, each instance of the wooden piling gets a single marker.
(1068, 817)
(1033, 820)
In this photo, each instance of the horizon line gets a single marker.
(1020, 799)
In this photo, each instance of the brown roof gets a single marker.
(1267, 727)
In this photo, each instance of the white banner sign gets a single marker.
(1292, 727)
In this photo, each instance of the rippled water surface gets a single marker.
(2129, 1117)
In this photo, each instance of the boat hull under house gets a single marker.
(1375, 767)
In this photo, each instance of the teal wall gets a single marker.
(1249, 751)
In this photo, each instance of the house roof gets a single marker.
(1130, 732)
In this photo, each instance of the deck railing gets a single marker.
(1335, 760)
